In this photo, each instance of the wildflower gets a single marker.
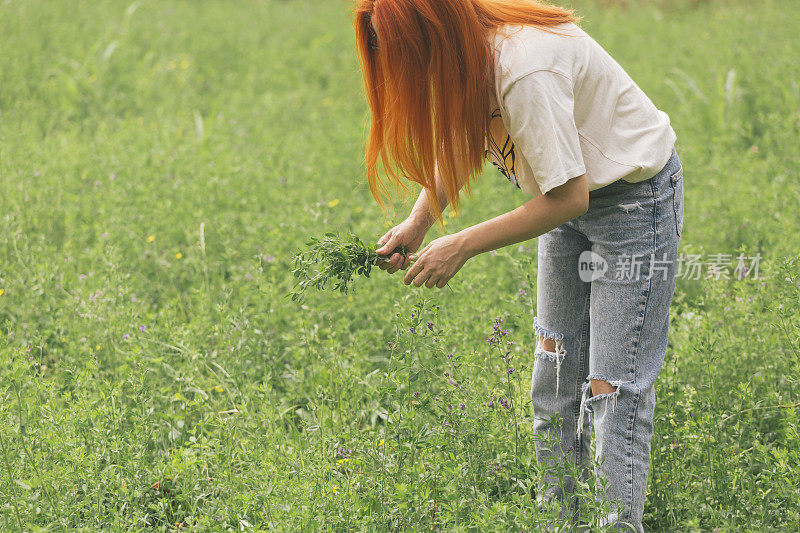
(333, 203)
(83, 339)
(178, 255)
(416, 394)
(430, 326)
(2, 291)
(269, 258)
(343, 452)
(142, 328)
(462, 406)
(380, 443)
(126, 336)
(340, 461)
(82, 276)
(151, 238)
(510, 371)
(523, 293)
(219, 388)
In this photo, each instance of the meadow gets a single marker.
(162, 162)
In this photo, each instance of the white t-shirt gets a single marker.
(565, 107)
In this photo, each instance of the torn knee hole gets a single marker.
(550, 346)
(549, 343)
(600, 386)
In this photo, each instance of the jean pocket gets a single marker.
(676, 180)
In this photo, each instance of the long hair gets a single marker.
(428, 75)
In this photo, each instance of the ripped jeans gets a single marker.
(604, 286)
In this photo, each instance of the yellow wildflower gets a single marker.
(219, 388)
(2, 291)
(333, 203)
(151, 238)
(178, 255)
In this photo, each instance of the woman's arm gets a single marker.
(443, 257)
(533, 218)
(411, 232)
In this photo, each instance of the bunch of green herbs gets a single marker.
(332, 261)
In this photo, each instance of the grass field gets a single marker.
(161, 162)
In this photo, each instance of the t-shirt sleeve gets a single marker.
(541, 123)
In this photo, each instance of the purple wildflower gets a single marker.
(142, 328)
(126, 336)
(430, 326)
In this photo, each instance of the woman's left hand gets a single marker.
(437, 262)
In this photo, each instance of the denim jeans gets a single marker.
(604, 286)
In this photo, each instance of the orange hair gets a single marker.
(428, 86)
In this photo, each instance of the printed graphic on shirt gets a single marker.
(501, 148)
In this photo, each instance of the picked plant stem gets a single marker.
(333, 261)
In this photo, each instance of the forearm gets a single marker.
(535, 217)
(421, 211)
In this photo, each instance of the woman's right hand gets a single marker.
(411, 233)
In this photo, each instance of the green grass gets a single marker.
(160, 164)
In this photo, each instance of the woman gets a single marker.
(450, 82)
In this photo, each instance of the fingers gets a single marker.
(388, 243)
(415, 269)
(392, 264)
